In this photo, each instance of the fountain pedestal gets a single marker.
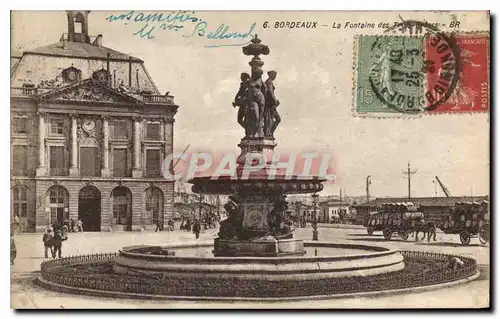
(257, 225)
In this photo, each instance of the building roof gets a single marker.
(81, 50)
(423, 201)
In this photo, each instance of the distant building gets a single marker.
(432, 207)
(331, 210)
(90, 130)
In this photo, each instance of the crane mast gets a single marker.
(445, 190)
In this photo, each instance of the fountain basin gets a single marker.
(356, 261)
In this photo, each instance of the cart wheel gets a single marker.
(387, 234)
(369, 230)
(484, 234)
(404, 235)
(465, 237)
(296, 224)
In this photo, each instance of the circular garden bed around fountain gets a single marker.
(95, 275)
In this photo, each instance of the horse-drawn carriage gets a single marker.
(468, 219)
(374, 223)
(297, 221)
(400, 218)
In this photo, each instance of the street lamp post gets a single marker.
(315, 216)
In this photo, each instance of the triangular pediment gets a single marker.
(88, 90)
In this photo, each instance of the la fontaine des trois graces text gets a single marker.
(342, 25)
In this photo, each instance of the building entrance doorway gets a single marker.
(89, 208)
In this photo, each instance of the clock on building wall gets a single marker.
(88, 125)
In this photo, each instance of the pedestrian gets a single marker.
(58, 239)
(79, 225)
(431, 232)
(170, 225)
(48, 242)
(65, 230)
(159, 224)
(13, 249)
(56, 225)
(197, 228)
(72, 225)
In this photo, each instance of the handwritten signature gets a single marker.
(151, 23)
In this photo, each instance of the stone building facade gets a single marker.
(89, 132)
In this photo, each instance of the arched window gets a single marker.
(79, 19)
(20, 201)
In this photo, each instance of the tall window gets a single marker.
(20, 201)
(57, 162)
(120, 162)
(20, 125)
(153, 131)
(119, 129)
(57, 198)
(154, 202)
(57, 126)
(121, 205)
(153, 163)
(89, 161)
(19, 160)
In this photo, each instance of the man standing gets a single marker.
(13, 249)
(48, 242)
(159, 224)
(79, 225)
(197, 228)
(58, 239)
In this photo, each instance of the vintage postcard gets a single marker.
(250, 159)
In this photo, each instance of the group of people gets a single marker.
(53, 241)
(160, 226)
(195, 225)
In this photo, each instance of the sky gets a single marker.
(314, 86)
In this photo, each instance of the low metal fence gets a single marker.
(51, 271)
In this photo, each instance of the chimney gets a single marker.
(130, 72)
(64, 42)
(107, 69)
(98, 40)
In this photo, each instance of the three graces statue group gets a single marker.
(257, 113)
(256, 100)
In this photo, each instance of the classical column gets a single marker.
(105, 172)
(169, 135)
(73, 171)
(137, 171)
(168, 201)
(41, 169)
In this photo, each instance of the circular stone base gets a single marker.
(376, 260)
(94, 275)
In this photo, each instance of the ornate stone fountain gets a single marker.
(255, 256)
(257, 224)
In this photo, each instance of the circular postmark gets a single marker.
(415, 67)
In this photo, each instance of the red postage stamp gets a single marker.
(471, 92)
